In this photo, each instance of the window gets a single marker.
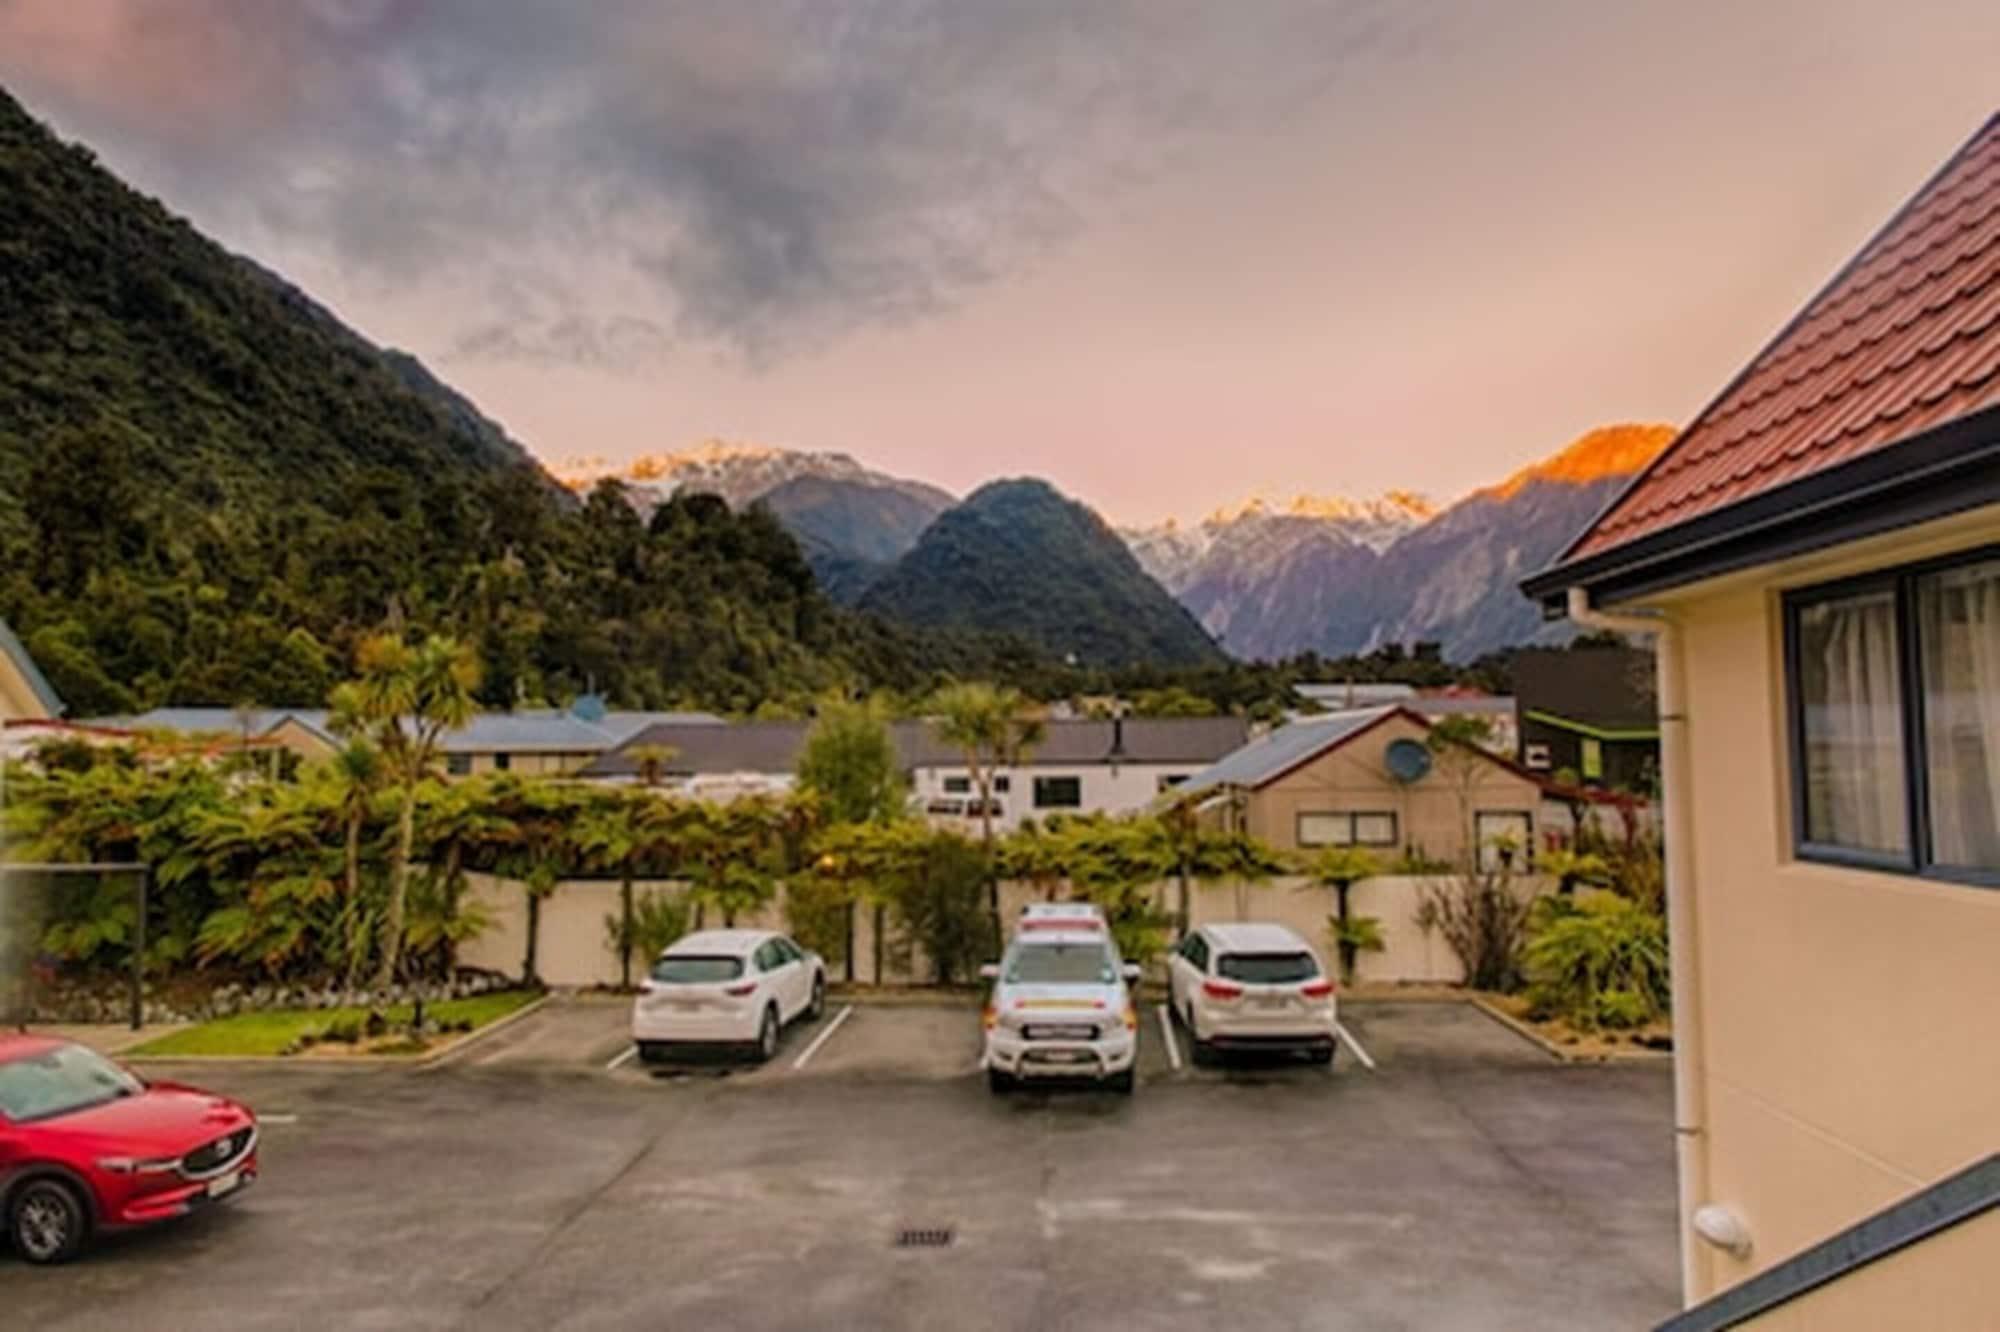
(458, 765)
(1195, 950)
(1172, 779)
(502, 762)
(1593, 759)
(1001, 784)
(1368, 828)
(1536, 756)
(1506, 838)
(1894, 691)
(1058, 793)
(957, 785)
(1267, 968)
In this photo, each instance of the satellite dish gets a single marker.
(1408, 760)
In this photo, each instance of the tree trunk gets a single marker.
(528, 974)
(454, 891)
(1347, 949)
(399, 890)
(881, 922)
(847, 960)
(357, 937)
(1185, 913)
(625, 930)
(983, 780)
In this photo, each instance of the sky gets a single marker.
(1165, 254)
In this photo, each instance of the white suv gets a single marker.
(1252, 987)
(726, 987)
(1060, 1006)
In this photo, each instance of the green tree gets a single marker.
(993, 728)
(405, 699)
(849, 762)
(1340, 868)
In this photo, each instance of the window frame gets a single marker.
(1299, 818)
(1525, 862)
(1072, 779)
(1917, 860)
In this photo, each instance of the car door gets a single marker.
(798, 976)
(1190, 965)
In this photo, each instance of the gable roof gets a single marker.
(1269, 757)
(38, 684)
(542, 730)
(1901, 345)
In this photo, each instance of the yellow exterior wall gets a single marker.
(17, 701)
(301, 740)
(1944, 1281)
(531, 763)
(1848, 1015)
(1430, 813)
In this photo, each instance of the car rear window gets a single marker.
(1267, 968)
(691, 970)
(1061, 964)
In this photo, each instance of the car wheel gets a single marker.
(817, 1009)
(48, 1221)
(767, 1036)
(1321, 1054)
(652, 1052)
(1199, 1050)
(999, 1081)
(1122, 1083)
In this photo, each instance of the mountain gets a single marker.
(211, 488)
(853, 522)
(1339, 577)
(1019, 557)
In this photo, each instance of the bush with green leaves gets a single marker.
(1599, 961)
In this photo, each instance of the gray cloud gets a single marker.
(595, 182)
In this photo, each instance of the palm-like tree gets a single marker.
(1340, 868)
(355, 776)
(993, 728)
(405, 699)
(614, 833)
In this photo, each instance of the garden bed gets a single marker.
(312, 1032)
(1654, 1039)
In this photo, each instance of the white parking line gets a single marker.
(277, 1119)
(623, 1058)
(1355, 1046)
(1167, 1035)
(820, 1039)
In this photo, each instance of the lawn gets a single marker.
(272, 1033)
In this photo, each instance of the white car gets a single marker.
(726, 987)
(1252, 987)
(1061, 1006)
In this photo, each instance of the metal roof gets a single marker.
(1904, 340)
(12, 648)
(1285, 748)
(537, 731)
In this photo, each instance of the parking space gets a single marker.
(1469, 1183)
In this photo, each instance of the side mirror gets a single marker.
(1132, 971)
(990, 971)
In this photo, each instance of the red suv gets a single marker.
(86, 1146)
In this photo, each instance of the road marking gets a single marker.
(820, 1039)
(277, 1119)
(622, 1059)
(1355, 1046)
(1167, 1034)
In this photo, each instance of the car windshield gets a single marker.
(1061, 964)
(697, 970)
(1267, 968)
(62, 1080)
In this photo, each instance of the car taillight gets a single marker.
(1131, 1018)
(1318, 989)
(1222, 989)
(738, 991)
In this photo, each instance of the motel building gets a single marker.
(1817, 560)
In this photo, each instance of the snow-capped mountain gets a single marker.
(1262, 528)
(740, 473)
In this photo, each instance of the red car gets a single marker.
(86, 1146)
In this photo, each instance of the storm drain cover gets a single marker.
(934, 1237)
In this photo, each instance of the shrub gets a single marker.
(816, 908)
(940, 908)
(1483, 920)
(1360, 934)
(658, 918)
(1599, 962)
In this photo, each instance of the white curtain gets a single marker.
(1960, 627)
(1856, 746)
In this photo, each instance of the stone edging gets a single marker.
(449, 1050)
(1560, 1053)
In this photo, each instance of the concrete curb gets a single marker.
(1560, 1053)
(357, 1063)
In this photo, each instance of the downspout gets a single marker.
(1677, 824)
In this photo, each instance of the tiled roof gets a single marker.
(1906, 338)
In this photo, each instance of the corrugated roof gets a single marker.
(1905, 339)
(44, 692)
(535, 731)
(1285, 748)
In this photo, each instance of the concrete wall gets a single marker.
(1847, 1016)
(1430, 812)
(573, 949)
(1944, 1281)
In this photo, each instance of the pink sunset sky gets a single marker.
(1164, 254)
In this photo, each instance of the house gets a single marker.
(1817, 557)
(25, 694)
(1371, 777)
(1589, 712)
(1111, 766)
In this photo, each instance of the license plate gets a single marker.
(684, 1005)
(1273, 1001)
(1060, 1056)
(222, 1184)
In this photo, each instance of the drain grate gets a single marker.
(935, 1237)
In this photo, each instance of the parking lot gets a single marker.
(544, 1179)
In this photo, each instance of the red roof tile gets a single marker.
(1905, 338)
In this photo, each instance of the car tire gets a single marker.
(767, 1036)
(817, 1008)
(652, 1052)
(48, 1221)
(1123, 1082)
(999, 1081)
(1321, 1054)
(1199, 1050)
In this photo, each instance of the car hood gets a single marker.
(166, 1119)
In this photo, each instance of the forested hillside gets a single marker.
(209, 488)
